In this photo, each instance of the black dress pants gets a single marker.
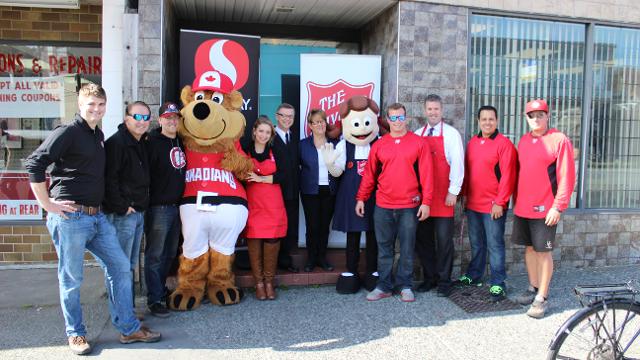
(434, 245)
(318, 210)
(353, 252)
(289, 241)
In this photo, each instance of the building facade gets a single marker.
(582, 56)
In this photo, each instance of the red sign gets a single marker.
(329, 97)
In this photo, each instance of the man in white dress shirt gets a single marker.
(434, 237)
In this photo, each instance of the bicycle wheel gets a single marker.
(606, 331)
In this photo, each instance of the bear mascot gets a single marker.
(214, 206)
(360, 130)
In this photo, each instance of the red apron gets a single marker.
(267, 214)
(441, 170)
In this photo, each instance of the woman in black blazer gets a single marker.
(317, 189)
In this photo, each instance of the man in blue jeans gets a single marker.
(490, 178)
(400, 165)
(127, 179)
(76, 222)
(167, 168)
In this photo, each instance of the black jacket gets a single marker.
(167, 168)
(289, 152)
(127, 173)
(78, 155)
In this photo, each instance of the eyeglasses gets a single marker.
(394, 118)
(140, 117)
(285, 116)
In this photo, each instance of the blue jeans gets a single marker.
(162, 236)
(72, 237)
(129, 229)
(486, 233)
(389, 224)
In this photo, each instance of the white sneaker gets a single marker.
(406, 295)
(538, 309)
(377, 294)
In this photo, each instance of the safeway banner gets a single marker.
(228, 61)
(25, 97)
(327, 80)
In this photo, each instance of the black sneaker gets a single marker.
(464, 280)
(443, 291)
(497, 293)
(425, 286)
(159, 310)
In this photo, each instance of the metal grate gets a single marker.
(477, 299)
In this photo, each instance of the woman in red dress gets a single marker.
(267, 221)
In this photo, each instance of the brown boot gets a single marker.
(255, 257)
(270, 264)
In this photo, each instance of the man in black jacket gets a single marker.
(76, 221)
(127, 179)
(285, 115)
(167, 168)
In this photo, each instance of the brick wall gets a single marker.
(42, 24)
(26, 244)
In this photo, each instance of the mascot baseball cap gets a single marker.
(168, 108)
(536, 105)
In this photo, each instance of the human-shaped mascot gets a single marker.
(214, 206)
(360, 129)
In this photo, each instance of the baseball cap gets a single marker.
(536, 105)
(168, 108)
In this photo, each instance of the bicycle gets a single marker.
(606, 328)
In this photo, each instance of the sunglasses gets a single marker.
(140, 117)
(394, 118)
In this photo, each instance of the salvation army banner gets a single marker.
(31, 97)
(229, 61)
(327, 80)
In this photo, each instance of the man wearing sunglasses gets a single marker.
(127, 179)
(400, 167)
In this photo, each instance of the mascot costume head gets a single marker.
(214, 205)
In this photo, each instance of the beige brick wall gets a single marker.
(42, 24)
(607, 10)
(32, 244)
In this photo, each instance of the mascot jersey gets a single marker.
(204, 173)
(345, 218)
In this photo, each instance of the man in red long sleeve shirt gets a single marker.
(545, 182)
(400, 165)
(489, 181)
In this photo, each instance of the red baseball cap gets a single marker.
(213, 80)
(536, 105)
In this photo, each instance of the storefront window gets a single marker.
(38, 86)
(613, 163)
(516, 60)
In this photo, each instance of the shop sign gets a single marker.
(20, 210)
(35, 97)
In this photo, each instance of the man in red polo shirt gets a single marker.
(489, 181)
(545, 182)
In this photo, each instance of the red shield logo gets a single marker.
(329, 97)
(361, 165)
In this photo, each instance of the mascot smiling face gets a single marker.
(210, 117)
(359, 120)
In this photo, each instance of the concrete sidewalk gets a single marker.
(305, 322)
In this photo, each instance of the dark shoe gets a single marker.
(444, 291)
(425, 286)
(292, 269)
(142, 335)
(325, 266)
(497, 293)
(526, 297)
(79, 345)
(464, 280)
(309, 267)
(159, 310)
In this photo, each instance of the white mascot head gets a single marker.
(359, 120)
